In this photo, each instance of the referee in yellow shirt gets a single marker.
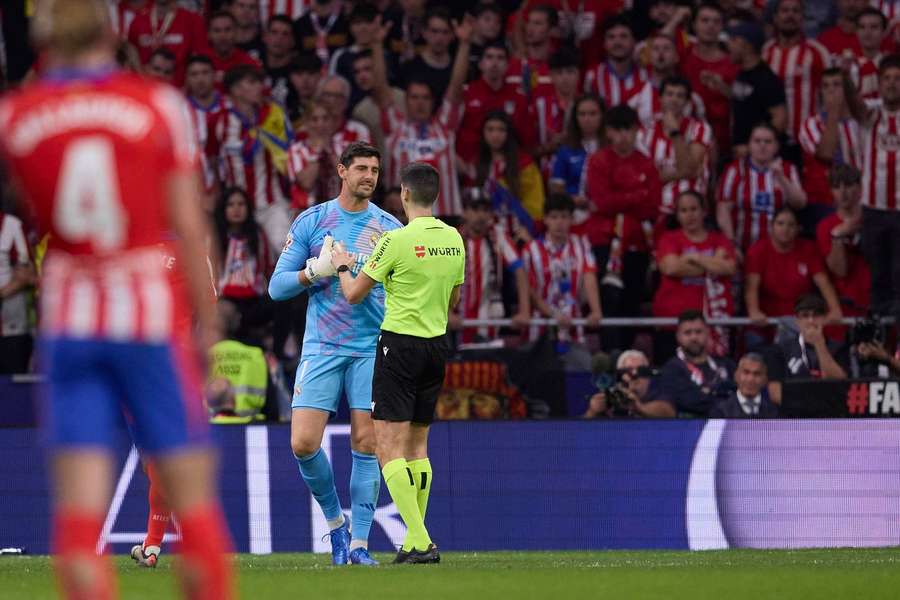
(422, 267)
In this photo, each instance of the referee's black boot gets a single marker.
(423, 557)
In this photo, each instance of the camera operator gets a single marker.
(635, 392)
(868, 356)
(806, 353)
(751, 399)
(693, 380)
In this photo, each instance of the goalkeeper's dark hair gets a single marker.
(423, 182)
(359, 150)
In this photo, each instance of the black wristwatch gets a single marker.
(343, 269)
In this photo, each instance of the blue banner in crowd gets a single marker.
(539, 485)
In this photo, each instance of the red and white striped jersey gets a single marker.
(481, 296)
(244, 160)
(433, 142)
(606, 83)
(864, 73)
(292, 8)
(880, 139)
(755, 196)
(557, 274)
(94, 154)
(654, 142)
(648, 106)
(204, 119)
(300, 156)
(551, 115)
(121, 15)
(890, 8)
(848, 139)
(13, 253)
(800, 67)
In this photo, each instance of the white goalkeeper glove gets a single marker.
(320, 266)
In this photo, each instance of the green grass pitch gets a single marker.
(720, 575)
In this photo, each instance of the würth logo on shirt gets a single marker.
(420, 251)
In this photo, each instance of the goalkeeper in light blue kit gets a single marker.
(338, 346)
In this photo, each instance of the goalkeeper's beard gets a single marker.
(361, 193)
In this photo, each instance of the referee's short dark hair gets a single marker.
(358, 150)
(423, 182)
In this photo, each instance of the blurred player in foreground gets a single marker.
(338, 346)
(108, 163)
(422, 267)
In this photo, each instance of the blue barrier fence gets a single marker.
(540, 485)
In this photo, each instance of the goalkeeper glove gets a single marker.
(320, 266)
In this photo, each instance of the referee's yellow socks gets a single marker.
(402, 486)
(421, 470)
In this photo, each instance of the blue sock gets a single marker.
(317, 473)
(365, 483)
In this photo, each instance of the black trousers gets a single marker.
(625, 301)
(881, 248)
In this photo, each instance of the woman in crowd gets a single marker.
(782, 268)
(583, 138)
(695, 266)
(509, 177)
(246, 263)
(752, 189)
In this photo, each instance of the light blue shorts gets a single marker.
(321, 380)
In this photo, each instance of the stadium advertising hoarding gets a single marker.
(522, 486)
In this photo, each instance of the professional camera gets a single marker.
(867, 330)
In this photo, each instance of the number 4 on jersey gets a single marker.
(88, 207)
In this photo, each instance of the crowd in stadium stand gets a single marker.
(602, 158)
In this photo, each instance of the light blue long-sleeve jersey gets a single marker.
(334, 326)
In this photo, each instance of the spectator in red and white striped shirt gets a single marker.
(207, 104)
(830, 137)
(490, 255)
(663, 64)
(251, 139)
(552, 109)
(246, 259)
(679, 145)
(798, 62)
(871, 27)
(420, 134)
(881, 190)
(752, 189)
(618, 78)
(562, 272)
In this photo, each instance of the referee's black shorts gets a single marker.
(409, 374)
